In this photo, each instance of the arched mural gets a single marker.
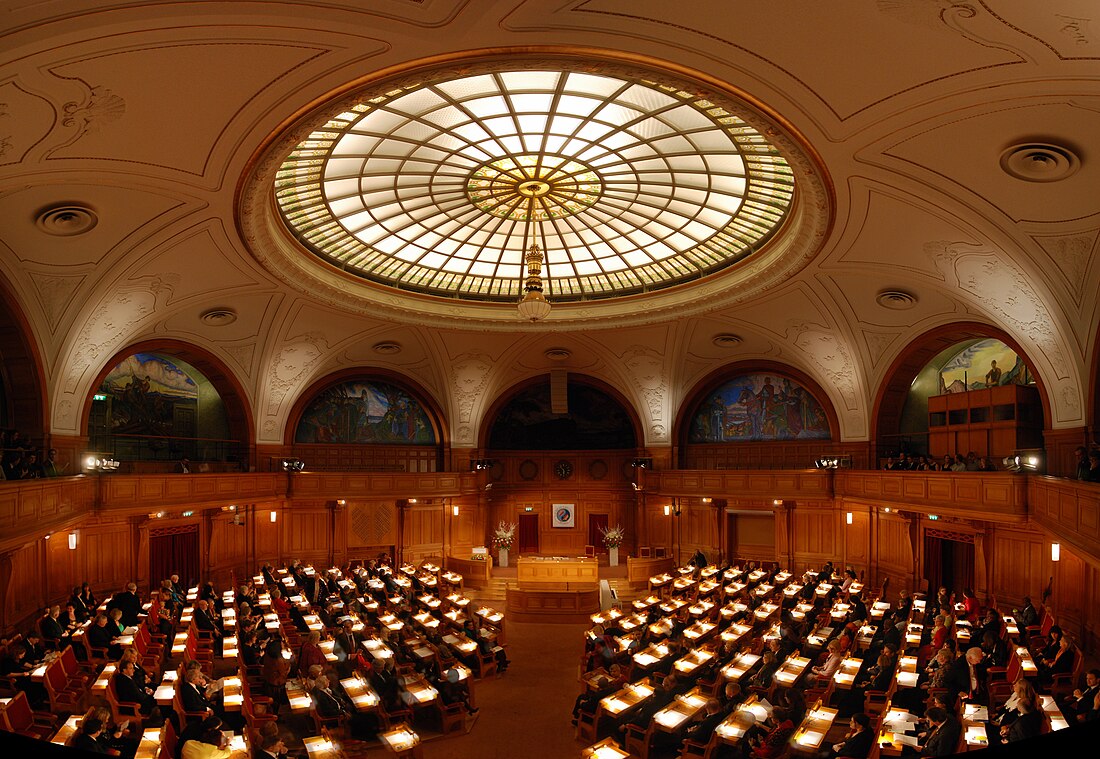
(595, 421)
(152, 406)
(758, 407)
(985, 363)
(365, 412)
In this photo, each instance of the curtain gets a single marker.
(933, 564)
(175, 553)
(528, 533)
(963, 575)
(595, 523)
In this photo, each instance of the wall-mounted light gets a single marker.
(274, 516)
(848, 517)
(341, 502)
(95, 462)
(188, 514)
(454, 510)
(412, 500)
(668, 510)
(1055, 551)
(72, 540)
(293, 465)
(706, 500)
(777, 502)
(887, 509)
(642, 463)
(933, 517)
(833, 462)
(480, 465)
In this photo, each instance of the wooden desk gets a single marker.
(815, 726)
(680, 711)
(627, 698)
(321, 747)
(741, 664)
(557, 574)
(693, 660)
(791, 670)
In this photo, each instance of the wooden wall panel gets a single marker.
(305, 534)
(369, 523)
(816, 539)
(24, 594)
(893, 552)
(857, 539)
(1019, 569)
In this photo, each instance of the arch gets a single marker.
(21, 368)
(504, 398)
(238, 412)
(894, 389)
(422, 396)
(707, 384)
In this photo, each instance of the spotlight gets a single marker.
(95, 462)
(833, 462)
(642, 463)
(480, 465)
(293, 465)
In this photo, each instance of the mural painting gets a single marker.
(986, 363)
(759, 407)
(365, 412)
(146, 392)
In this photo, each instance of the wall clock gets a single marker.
(563, 469)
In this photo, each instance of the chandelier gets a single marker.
(533, 306)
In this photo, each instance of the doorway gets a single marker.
(596, 524)
(948, 561)
(528, 539)
(174, 550)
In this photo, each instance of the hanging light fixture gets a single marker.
(534, 305)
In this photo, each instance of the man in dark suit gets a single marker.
(88, 737)
(51, 628)
(713, 715)
(944, 734)
(967, 677)
(193, 696)
(271, 747)
(129, 691)
(1081, 707)
(346, 646)
(857, 742)
(204, 619)
(129, 603)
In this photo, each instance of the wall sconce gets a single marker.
(1055, 551)
(777, 502)
(274, 516)
(48, 536)
(887, 509)
(673, 509)
(668, 510)
(454, 510)
(97, 463)
(848, 517)
(412, 500)
(72, 541)
(293, 465)
(706, 500)
(833, 462)
(341, 502)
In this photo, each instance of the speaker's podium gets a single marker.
(555, 589)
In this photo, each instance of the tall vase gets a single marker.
(502, 557)
(613, 556)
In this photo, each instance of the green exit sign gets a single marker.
(99, 397)
(528, 508)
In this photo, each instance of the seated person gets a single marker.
(87, 738)
(204, 618)
(453, 690)
(774, 743)
(1082, 707)
(943, 734)
(858, 740)
(100, 635)
(52, 629)
(129, 690)
(1061, 664)
(825, 672)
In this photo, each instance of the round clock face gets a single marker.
(563, 469)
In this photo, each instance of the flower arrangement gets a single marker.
(613, 537)
(504, 535)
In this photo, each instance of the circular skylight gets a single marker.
(627, 184)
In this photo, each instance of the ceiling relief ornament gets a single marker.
(100, 107)
(242, 356)
(25, 120)
(55, 294)
(965, 19)
(1071, 253)
(878, 343)
(291, 366)
(833, 360)
(106, 331)
(469, 377)
(1005, 291)
(646, 372)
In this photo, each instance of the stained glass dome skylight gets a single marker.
(627, 184)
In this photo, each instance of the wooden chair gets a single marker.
(587, 725)
(328, 724)
(875, 701)
(18, 717)
(452, 718)
(184, 715)
(639, 741)
(1062, 684)
(122, 711)
(692, 750)
(73, 667)
(168, 739)
(65, 698)
(486, 664)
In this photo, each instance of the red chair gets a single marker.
(122, 711)
(65, 696)
(168, 739)
(18, 717)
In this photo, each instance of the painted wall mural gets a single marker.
(595, 421)
(365, 412)
(150, 395)
(759, 407)
(983, 364)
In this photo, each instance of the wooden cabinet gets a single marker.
(992, 422)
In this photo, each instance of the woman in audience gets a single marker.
(1029, 719)
(311, 653)
(276, 668)
(825, 672)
